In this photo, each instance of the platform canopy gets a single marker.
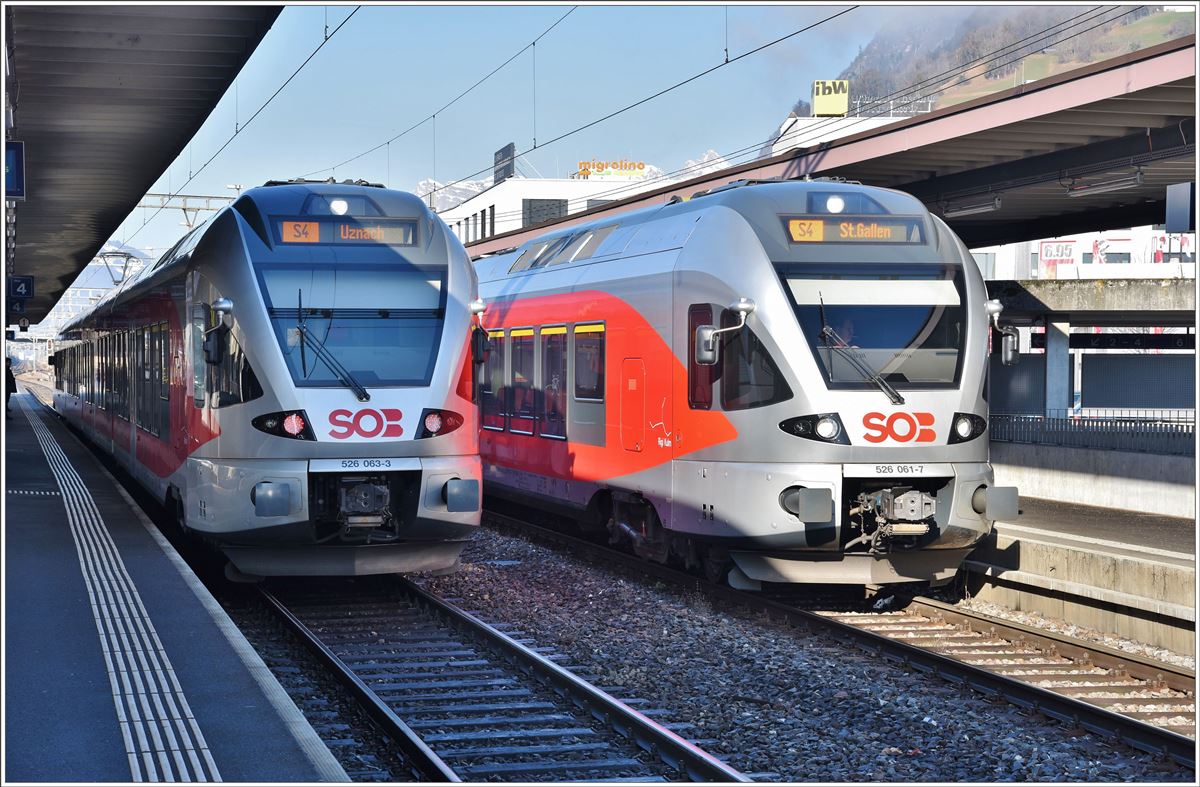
(104, 98)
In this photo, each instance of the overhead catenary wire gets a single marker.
(664, 91)
(449, 103)
(258, 111)
(992, 57)
(986, 59)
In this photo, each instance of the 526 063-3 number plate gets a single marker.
(912, 469)
(383, 464)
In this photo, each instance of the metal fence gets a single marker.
(1171, 432)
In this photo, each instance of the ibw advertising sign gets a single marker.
(830, 97)
(1054, 253)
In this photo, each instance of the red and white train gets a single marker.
(293, 379)
(777, 381)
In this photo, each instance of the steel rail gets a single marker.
(1108, 724)
(430, 766)
(648, 734)
(1141, 667)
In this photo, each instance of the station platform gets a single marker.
(119, 665)
(1115, 571)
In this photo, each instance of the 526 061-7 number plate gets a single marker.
(916, 469)
(385, 464)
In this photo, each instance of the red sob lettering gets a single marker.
(899, 427)
(366, 423)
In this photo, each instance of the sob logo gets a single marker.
(900, 427)
(365, 423)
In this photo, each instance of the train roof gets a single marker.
(762, 203)
(256, 206)
(308, 197)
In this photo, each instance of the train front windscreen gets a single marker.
(905, 323)
(382, 324)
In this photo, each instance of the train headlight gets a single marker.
(835, 204)
(435, 423)
(824, 427)
(339, 206)
(292, 424)
(828, 428)
(966, 426)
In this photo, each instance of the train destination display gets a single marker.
(854, 229)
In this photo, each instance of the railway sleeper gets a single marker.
(401, 698)
(488, 721)
(522, 751)
(447, 682)
(479, 707)
(1172, 704)
(507, 734)
(552, 766)
(449, 672)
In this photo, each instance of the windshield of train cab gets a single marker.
(381, 321)
(904, 322)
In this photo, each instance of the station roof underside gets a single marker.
(1027, 145)
(105, 98)
(1098, 302)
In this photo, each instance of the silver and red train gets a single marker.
(776, 381)
(294, 380)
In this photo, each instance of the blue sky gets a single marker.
(391, 66)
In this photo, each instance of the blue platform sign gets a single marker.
(14, 170)
(20, 287)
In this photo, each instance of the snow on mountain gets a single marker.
(448, 197)
(711, 161)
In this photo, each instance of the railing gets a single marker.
(1171, 432)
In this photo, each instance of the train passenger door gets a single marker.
(633, 404)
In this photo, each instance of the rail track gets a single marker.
(1147, 704)
(467, 702)
(1144, 703)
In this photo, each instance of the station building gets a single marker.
(516, 202)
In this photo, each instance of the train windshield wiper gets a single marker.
(846, 352)
(321, 351)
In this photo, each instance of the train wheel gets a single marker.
(174, 506)
(717, 564)
(637, 525)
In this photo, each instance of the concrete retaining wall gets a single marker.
(1110, 479)
(1147, 596)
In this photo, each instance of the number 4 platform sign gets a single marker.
(20, 287)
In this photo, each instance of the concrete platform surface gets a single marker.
(1132, 528)
(119, 665)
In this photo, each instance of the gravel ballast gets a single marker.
(775, 699)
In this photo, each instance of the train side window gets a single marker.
(152, 374)
(492, 391)
(101, 382)
(589, 362)
(700, 377)
(233, 380)
(106, 357)
(164, 384)
(199, 367)
(554, 382)
(522, 409)
(749, 376)
(141, 374)
(122, 369)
